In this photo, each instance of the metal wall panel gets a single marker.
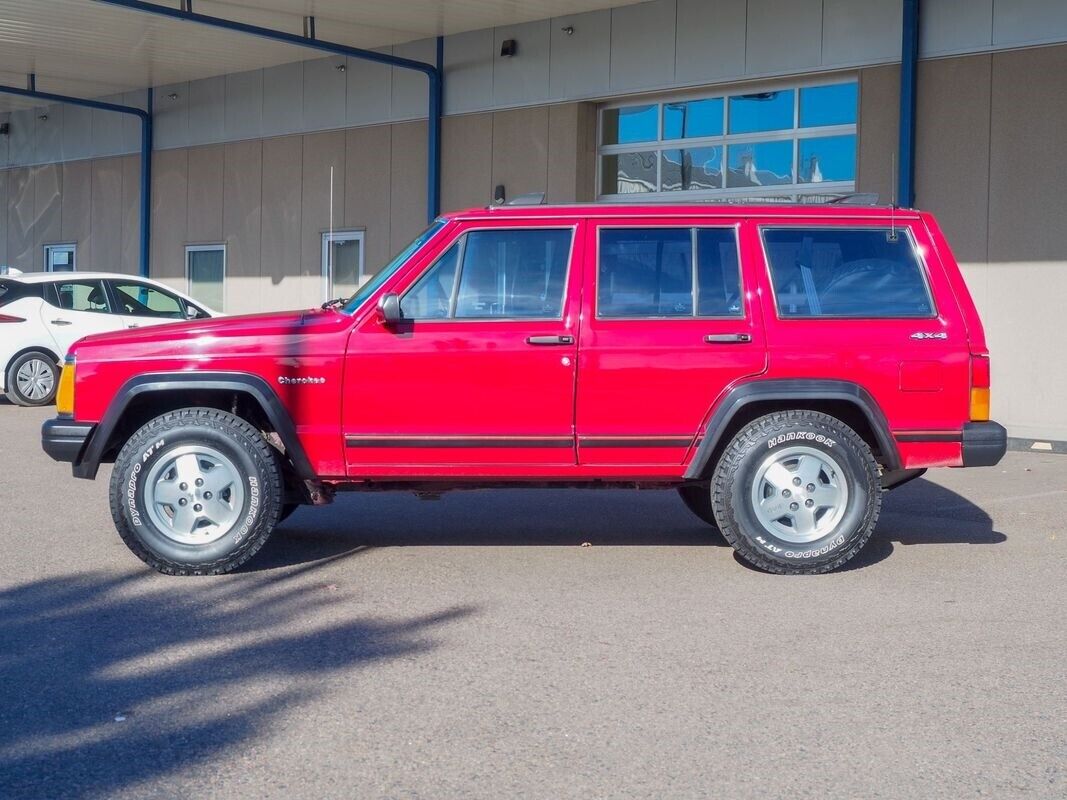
(106, 214)
(955, 26)
(1025, 22)
(242, 188)
(244, 105)
(368, 188)
(170, 203)
(4, 179)
(205, 194)
(469, 69)
(283, 99)
(522, 78)
(407, 202)
(280, 242)
(5, 155)
(170, 116)
(711, 40)
(322, 151)
(580, 63)
(879, 121)
(48, 135)
(131, 125)
(131, 217)
(783, 37)
(370, 92)
(207, 111)
(467, 168)
(77, 207)
(520, 150)
(410, 97)
(77, 132)
(48, 208)
(20, 218)
(21, 136)
(325, 93)
(861, 31)
(107, 130)
(642, 45)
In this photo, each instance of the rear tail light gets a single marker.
(979, 388)
(9, 318)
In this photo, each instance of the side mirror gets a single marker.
(191, 312)
(389, 308)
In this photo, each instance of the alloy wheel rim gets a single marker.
(194, 495)
(35, 379)
(799, 494)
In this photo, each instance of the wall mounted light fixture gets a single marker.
(172, 96)
(569, 30)
(43, 117)
(340, 68)
(508, 48)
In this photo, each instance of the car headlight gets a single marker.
(65, 393)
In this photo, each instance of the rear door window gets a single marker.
(668, 272)
(870, 273)
(86, 296)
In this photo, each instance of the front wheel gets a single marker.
(796, 492)
(196, 492)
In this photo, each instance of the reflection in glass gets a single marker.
(692, 119)
(691, 168)
(645, 273)
(759, 164)
(828, 105)
(765, 111)
(718, 274)
(628, 173)
(828, 158)
(629, 125)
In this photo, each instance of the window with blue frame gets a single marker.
(788, 143)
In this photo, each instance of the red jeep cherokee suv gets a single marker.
(780, 366)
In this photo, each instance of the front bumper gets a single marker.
(64, 439)
(984, 444)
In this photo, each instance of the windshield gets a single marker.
(367, 289)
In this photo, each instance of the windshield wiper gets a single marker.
(337, 302)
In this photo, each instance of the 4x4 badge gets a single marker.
(924, 335)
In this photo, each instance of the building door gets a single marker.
(342, 263)
(60, 257)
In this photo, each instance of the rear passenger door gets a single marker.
(77, 308)
(672, 322)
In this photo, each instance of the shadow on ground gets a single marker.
(191, 671)
(920, 512)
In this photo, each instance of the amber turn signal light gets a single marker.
(980, 405)
(65, 393)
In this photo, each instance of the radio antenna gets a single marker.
(329, 243)
(893, 206)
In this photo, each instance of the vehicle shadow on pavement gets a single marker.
(919, 513)
(106, 682)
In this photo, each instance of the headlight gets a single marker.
(65, 393)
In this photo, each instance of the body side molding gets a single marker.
(789, 390)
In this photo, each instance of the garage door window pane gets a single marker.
(828, 105)
(760, 164)
(764, 111)
(628, 173)
(828, 158)
(693, 119)
(692, 169)
(846, 273)
(630, 125)
(207, 272)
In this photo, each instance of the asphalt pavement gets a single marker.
(472, 647)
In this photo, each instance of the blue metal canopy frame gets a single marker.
(146, 147)
(433, 72)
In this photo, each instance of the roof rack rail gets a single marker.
(855, 199)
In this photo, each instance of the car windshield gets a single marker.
(371, 286)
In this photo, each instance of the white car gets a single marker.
(43, 314)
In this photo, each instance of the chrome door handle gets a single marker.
(728, 338)
(61, 322)
(549, 341)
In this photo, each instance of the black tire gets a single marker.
(735, 489)
(255, 463)
(697, 498)
(15, 394)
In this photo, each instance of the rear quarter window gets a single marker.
(10, 291)
(870, 273)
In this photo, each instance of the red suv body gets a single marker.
(669, 345)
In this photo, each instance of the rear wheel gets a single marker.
(32, 379)
(796, 492)
(196, 492)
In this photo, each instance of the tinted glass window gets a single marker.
(718, 274)
(206, 272)
(764, 111)
(846, 273)
(693, 118)
(628, 173)
(828, 105)
(141, 300)
(693, 168)
(760, 164)
(10, 291)
(82, 296)
(645, 273)
(628, 125)
(828, 158)
(430, 297)
(513, 274)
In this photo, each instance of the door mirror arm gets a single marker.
(389, 309)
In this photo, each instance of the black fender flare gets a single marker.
(158, 382)
(784, 390)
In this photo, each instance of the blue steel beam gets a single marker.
(146, 148)
(909, 59)
(433, 72)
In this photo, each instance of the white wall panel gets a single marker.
(5, 159)
(244, 104)
(783, 37)
(170, 116)
(861, 31)
(580, 64)
(469, 70)
(283, 99)
(955, 26)
(77, 132)
(523, 78)
(131, 125)
(711, 40)
(370, 92)
(642, 45)
(48, 135)
(1023, 22)
(325, 93)
(107, 130)
(207, 111)
(410, 88)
